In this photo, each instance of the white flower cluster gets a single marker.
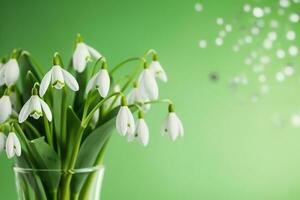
(144, 92)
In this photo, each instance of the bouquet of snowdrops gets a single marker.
(63, 119)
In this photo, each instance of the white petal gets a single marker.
(80, 57)
(70, 80)
(2, 75)
(17, 145)
(94, 52)
(158, 71)
(163, 128)
(134, 96)
(92, 82)
(2, 141)
(181, 129)
(131, 97)
(130, 137)
(10, 146)
(103, 82)
(130, 123)
(148, 85)
(25, 111)
(122, 121)
(117, 88)
(146, 107)
(172, 126)
(11, 72)
(46, 110)
(5, 108)
(35, 105)
(45, 83)
(57, 77)
(142, 131)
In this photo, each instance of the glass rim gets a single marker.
(18, 169)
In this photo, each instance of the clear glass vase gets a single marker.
(47, 184)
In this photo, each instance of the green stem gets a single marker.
(34, 130)
(118, 66)
(131, 78)
(86, 120)
(158, 101)
(84, 194)
(64, 121)
(48, 133)
(33, 61)
(71, 158)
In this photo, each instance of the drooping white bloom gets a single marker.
(58, 77)
(9, 72)
(101, 81)
(158, 71)
(82, 54)
(147, 85)
(108, 103)
(5, 108)
(125, 121)
(34, 107)
(13, 146)
(135, 96)
(142, 132)
(172, 126)
(2, 141)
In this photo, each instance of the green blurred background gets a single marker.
(233, 148)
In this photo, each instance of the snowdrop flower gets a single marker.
(125, 121)
(2, 141)
(135, 96)
(5, 108)
(147, 84)
(9, 72)
(101, 81)
(157, 69)
(58, 78)
(142, 130)
(82, 54)
(108, 103)
(34, 107)
(172, 125)
(13, 146)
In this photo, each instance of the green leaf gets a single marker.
(89, 151)
(27, 65)
(79, 96)
(46, 158)
(30, 179)
(73, 125)
(57, 102)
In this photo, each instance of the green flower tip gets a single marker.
(56, 59)
(35, 88)
(145, 65)
(3, 60)
(135, 84)
(155, 57)
(123, 101)
(140, 114)
(14, 54)
(171, 108)
(104, 65)
(79, 38)
(34, 91)
(7, 91)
